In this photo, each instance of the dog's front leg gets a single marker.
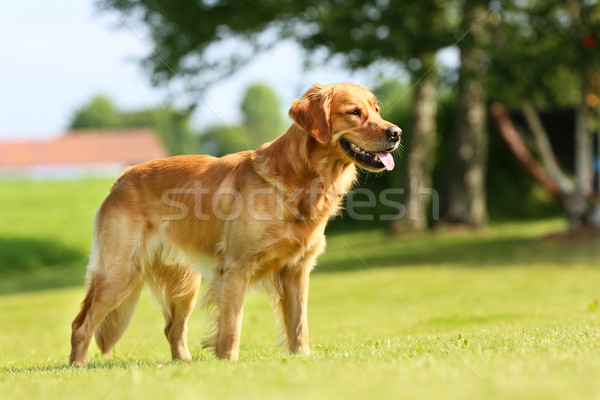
(233, 289)
(294, 304)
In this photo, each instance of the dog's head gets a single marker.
(346, 118)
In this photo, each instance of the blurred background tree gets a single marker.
(261, 115)
(171, 124)
(261, 122)
(99, 113)
(406, 34)
(465, 185)
(548, 51)
(517, 51)
(361, 33)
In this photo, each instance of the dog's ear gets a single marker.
(313, 112)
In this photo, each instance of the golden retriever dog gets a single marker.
(254, 218)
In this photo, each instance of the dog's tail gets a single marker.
(118, 283)
(112, 327)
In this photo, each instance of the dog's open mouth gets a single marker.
(369, 159)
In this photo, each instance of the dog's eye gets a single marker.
(355, 112)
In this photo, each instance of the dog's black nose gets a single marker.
(393, 133)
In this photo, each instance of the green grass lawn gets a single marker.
(494, 314)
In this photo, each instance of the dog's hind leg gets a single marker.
(176, 288)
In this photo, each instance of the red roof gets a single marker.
(81, 148)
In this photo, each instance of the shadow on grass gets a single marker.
(34, 264)
(28, 264)
(376, 250)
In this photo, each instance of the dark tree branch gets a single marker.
(545, 148)
(516, 144)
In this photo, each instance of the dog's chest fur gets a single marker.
(300, 234)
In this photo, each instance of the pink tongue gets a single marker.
(387, 160)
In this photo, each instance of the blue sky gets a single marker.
(54, 55)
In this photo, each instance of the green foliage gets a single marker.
(361, 32)
(99, 113)
(184, 33)
(221, 140)
(511, 193)
(262, 122)
(395, 99)
(171, 124)
(262, 115)
(539, 52)
(532, 49)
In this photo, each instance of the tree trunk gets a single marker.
(577, 205)
(465, 181)
(583, 149)
(419, 157)
(595, 216)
